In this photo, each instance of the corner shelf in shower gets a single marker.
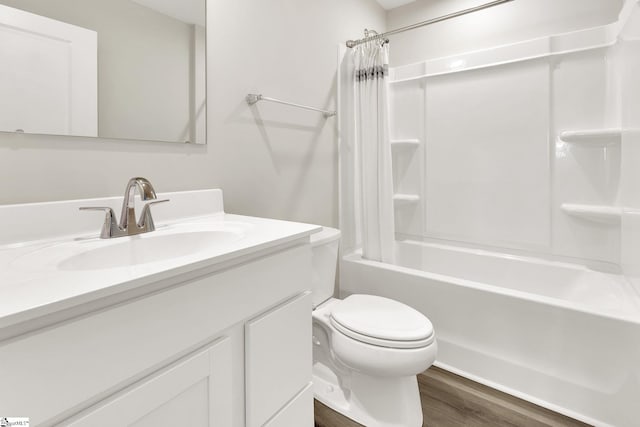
(405, 143)
(599, 137)
(406, 199)
(596, 213)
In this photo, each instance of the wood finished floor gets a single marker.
(449, 400)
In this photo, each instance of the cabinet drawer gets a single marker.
(194, 391)
(298, 412)
(277, 358)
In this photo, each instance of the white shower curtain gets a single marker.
(373, 176)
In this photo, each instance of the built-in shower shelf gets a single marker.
(406, 198)
(597, 213)
(593, 136)
(405, 143)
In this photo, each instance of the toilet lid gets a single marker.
(382, 319)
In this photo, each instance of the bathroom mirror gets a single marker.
(124, 69)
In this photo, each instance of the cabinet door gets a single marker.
(277, 359)
(295, 413)
(193, 392)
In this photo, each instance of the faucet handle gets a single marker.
(146, 220)
(110, 226)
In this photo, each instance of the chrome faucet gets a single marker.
(128, 225)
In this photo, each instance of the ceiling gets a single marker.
(390, 4)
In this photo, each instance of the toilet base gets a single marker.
(371, 401)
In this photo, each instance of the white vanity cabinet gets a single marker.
(226, 345)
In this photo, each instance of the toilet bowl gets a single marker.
(367, 349)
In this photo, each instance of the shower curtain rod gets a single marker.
(354, 43)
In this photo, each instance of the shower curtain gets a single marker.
(373, 175)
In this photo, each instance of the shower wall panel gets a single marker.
(629, 63)
(584, 97)
(487, 156)
(407, 148)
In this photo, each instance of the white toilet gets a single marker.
(367, 350)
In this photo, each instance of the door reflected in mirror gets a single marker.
(124, 69)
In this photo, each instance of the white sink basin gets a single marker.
(146, 248)
(124, 252)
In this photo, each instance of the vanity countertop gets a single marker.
(71, 266)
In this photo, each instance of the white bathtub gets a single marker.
(556, 334)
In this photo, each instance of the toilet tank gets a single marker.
(324, 253)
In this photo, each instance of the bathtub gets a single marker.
(556, 334)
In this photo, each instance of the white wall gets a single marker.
(275, 160)
(270, 160)
(511, 22)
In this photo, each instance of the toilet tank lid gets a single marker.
(327, 234)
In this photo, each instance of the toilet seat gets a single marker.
(382, 322)
(381, 342)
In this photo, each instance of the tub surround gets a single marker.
(199, 314)
(515, 148)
